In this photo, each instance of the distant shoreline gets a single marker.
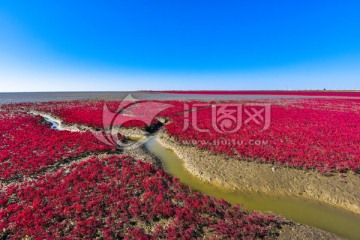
(18, 97)
(335, 93)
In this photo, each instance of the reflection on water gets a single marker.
(298, 209)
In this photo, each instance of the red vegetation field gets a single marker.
(91, 113)
(119, 197)
(109, 198)
(310, 133)
(28, 146)
(116, 198)
(320, 134)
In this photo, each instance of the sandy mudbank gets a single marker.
(127, 132)
(301, 232)
(235, 174)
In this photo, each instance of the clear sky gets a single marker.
(137, 45)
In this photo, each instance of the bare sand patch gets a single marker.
(300, 232)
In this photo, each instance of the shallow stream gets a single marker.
(302, 210)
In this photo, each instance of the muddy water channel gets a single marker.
(302, 210)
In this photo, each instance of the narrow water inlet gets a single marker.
(54, 124)
(298, 209)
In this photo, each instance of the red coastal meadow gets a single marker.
(321, 134)
(28, 145)
(117, 197)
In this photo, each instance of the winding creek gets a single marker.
(301, 210)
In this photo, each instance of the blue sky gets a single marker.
(131, 45)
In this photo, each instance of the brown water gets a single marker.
(302, 210)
